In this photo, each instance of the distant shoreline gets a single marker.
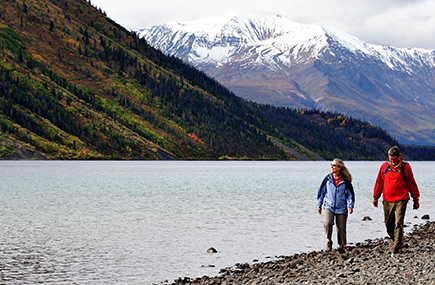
(369, 262)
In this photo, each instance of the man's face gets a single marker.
(394, 159)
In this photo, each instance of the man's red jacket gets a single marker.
(393, 186)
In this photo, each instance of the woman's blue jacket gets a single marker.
(336, 199)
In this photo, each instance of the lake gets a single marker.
(144, 222)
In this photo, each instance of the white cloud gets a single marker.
(400, 23)
(404, 26)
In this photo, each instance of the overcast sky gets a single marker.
(398, 23)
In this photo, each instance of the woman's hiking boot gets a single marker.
(329, 246)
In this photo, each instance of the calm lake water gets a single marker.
(118, 222)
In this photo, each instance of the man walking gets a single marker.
(395, 181)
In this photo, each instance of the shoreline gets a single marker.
(369, 262)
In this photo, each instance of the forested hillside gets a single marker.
(76, 85)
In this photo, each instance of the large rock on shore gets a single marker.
(365, 263)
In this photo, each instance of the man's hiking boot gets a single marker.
(394, 251)
(341, 249)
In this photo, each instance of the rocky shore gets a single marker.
(370, 262)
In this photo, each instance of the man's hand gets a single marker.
(350, 210)
(416, 205)
(375, 203)
(319, 210)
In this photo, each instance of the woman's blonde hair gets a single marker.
(344, 171)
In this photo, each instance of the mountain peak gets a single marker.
(273, 60)
(215, 40)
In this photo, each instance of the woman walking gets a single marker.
(336, 195)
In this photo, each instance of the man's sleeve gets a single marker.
(412, 185)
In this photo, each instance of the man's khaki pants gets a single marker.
(394, 216)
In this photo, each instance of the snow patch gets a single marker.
(276, 40)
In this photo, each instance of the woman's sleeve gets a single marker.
(321, 193)
(350, 195)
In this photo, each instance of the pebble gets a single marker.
(370, 262)
(212, 250)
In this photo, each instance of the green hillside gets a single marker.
(76, 85)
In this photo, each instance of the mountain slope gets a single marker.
(76, 85)
(276, 61)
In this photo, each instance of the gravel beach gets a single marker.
(370, 262)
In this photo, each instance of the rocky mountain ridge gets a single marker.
(272, 60)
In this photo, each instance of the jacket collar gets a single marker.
(331, 178)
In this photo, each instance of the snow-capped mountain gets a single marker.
(270, 59)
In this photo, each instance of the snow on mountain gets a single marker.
(273, 60)
(215, 40)
(273, 38)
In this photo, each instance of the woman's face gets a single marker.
(334, 167)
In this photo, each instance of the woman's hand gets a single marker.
(319, 210)
(350, 210)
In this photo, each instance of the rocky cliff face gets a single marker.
(275, 61)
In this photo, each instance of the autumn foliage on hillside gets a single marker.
(78, 85)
